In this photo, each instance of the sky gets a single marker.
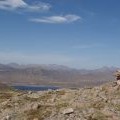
(74, 33)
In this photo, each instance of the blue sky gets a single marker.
(76, 33)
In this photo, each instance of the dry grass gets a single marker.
(41, 113)
(5, 95)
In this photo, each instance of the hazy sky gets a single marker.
(76, 33)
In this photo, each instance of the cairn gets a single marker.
(117, 75)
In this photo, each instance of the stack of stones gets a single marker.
(117, 75)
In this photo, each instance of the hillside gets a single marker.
(55, 75)
(3, 87)
(97, 103)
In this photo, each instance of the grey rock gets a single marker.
(68, 111)
(118, 82)
(30, 92)
(7, 118)
(35, 106)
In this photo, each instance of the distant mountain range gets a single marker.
(56, 75)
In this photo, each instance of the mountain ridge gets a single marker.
(55, 75)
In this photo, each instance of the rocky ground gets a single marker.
(98, 103)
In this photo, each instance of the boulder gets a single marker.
(68, 111)
(35, 106)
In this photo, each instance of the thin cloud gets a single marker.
(21, 4)
(57, 19)
(87, 46)
(44, 58)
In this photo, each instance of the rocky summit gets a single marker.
(97, 103)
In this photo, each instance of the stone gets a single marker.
(91, 110)
(16, 104)
(4, 103)
(7, 118)
(33, 95)
(118, 82)
(30, 92)
(31, 106)
(35, 119)
(35, 106)
(68, 111)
